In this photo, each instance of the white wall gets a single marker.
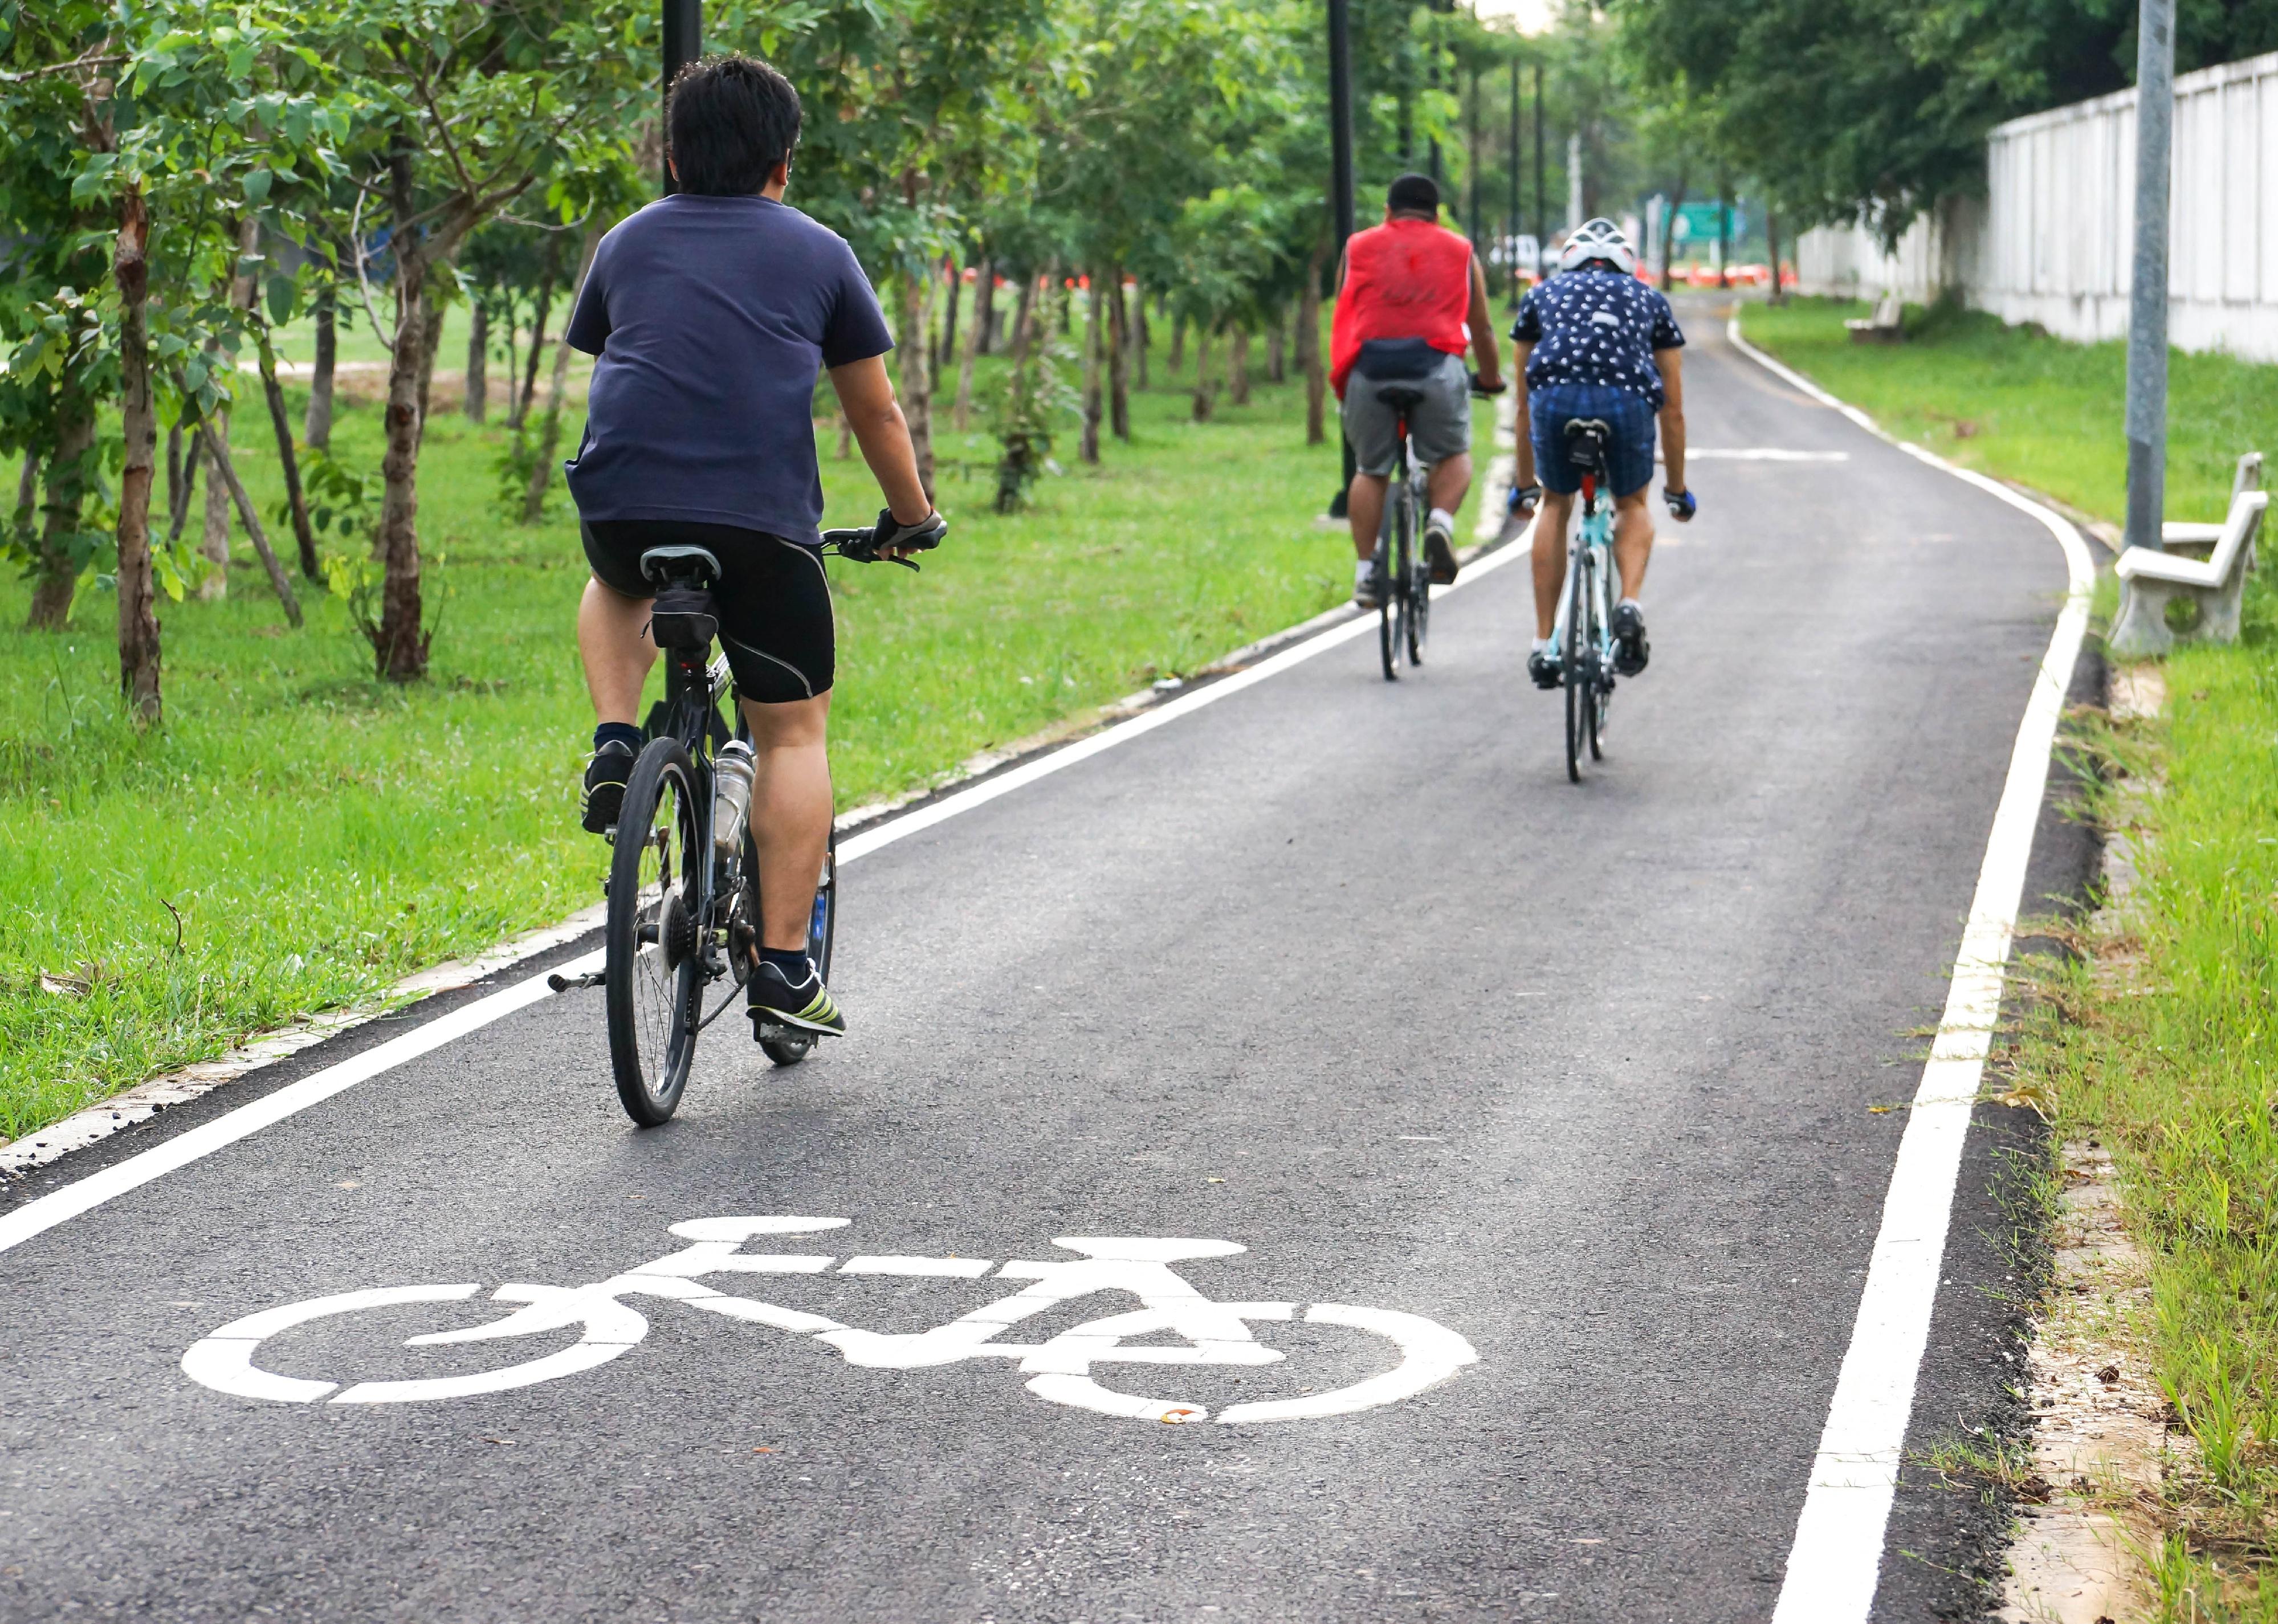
(2052, 242)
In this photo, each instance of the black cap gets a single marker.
(1414, 195)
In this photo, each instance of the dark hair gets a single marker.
(733, 119)
(1414, 195)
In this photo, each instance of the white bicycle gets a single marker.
(1058, 1368)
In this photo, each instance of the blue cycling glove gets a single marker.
(1681, 504)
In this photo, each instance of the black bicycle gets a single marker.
(683, 889)
(1403, 605)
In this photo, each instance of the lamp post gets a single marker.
(1541, 185)
(2147, 289)
(684, 43)
(1341, 179)
(1518, 225)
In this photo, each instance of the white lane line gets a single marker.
(1503, 467)
(36, 1218)
(1836, 1561)
(1760, 454)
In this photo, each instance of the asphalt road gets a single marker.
(1343, 971)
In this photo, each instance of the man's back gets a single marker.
(1591, 326)
(1405, 280)
(711, 316)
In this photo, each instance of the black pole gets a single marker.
(1471, 137)
(1341, 179)
(1516, 224)
(1541, 186)
(684, 43)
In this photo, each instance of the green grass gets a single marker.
(320, 834)
(2164, 1046)
(2014, 402)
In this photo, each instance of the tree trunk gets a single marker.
(297, 500)
(549, 443)
(1238, 367)
(1309, 344)
(177, 485)
(1178, 356)
(1771, 241)
(945, 352)
(1024, 312)
(430, 340)
(917, 375)
(1277, 334)
(984, 310)
(1067, 304)
(194, 458)
(138, 619)
(27, 491)
(227, 472)
(1095, 348)
(1139, 333)
(1119, 358)
(846, 436)
(214, 541)
(513, 363)
(536, 347)
(1669, 237)
(1202, 373)
(317, 429)
(66, 486)
(960, 412)
(401, 649)
(479, 357)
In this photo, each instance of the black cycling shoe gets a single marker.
(1439, 555)
(1631, 650)
(603, 798)
(1543, 666)
(807, 1007)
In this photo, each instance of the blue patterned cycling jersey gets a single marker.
(1591, 326)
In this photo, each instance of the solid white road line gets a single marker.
(1760, 454)
(1836, 1561)
(35, 1217)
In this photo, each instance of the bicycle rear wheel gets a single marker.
(652, 975)
(1403, 573)
(1420, 580)
(1579, 678)
(822, 929)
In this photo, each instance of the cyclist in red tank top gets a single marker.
(1411, 298)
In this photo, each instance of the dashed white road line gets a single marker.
(1836, 1561)
(36, 1218)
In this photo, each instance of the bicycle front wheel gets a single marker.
(651, 976)
(1420, 580)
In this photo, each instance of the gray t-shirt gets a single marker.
(711, 316)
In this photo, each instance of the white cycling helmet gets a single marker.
(1597, 239)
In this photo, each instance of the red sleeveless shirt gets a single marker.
(1405, 278)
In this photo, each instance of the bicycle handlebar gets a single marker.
(862, 544)
(1485, 393)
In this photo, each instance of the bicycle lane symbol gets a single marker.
(1059, 1368)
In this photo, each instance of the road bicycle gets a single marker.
(1402, 571)
(1584, 634)
(1205, 1333)
(684, 910)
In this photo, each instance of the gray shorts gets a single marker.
(1439, 427)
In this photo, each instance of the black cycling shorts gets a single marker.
(773, 598)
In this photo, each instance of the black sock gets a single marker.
(623, 732)
(791, 961)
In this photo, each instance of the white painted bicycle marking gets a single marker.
(1059, 1368)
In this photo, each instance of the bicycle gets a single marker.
(1404, 604)
(1058, 1367)
(1584, 635)
(683, 909)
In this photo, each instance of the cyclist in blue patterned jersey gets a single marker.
(1594, 342)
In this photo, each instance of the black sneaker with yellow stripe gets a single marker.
(806, 1006)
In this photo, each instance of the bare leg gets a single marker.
(1451, 481)
(791, 813)
(613, 641)
(1550, 558)
(1632, 541)
(1365, 507)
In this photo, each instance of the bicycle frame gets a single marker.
(690, 712)
(1590, 548)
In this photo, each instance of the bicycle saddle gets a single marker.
(1401, 400)
(1586, 442)
(662, 564)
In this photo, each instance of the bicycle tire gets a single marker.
(821, 931)
(649, 995)
(1575, 673)
(1388, 649)
(1419, 582)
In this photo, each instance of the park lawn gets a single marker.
(2163, 1044)
(318, 833)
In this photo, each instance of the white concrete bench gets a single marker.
(2208, 563)
(1884, 326)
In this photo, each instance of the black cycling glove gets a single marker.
(1681, 504)
(1525, 499)
(925, 534)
